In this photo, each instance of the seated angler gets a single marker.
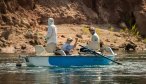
(59, 51)
(67, 47)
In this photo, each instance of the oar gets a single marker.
(94, 52)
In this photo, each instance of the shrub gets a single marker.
(144, 40)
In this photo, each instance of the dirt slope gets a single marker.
(22, 20)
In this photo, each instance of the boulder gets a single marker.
(9, 49)
(114, 47)
(130, 46)
(30, 49)
(79, 36)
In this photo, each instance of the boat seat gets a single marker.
(40, 51)
(87, 53)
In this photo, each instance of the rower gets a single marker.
(94, 43)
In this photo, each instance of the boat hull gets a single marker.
(66, 61)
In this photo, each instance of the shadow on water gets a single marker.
(133, 71)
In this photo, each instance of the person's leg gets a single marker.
(61, 52)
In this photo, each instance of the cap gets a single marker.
(92, 29)
(69, 39)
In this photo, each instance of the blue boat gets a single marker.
(67, 61)
(89, 58)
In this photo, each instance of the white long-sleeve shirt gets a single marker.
(52, 32)
(95, 41)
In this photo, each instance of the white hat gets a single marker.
(92, 29)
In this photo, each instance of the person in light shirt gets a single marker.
(94, 43)
(51, 36)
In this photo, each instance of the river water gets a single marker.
(132, 71)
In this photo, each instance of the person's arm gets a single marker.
(75, 44)
(49, 33)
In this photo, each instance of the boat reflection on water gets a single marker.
(13, 75)
(45, 75)
(10, 74)
(77, 76)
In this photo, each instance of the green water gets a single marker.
(133, 71)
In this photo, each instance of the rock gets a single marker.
(43, 19)
(63, 36)
(32, 42)
(18, 64)
(139, 39)
(130, 46)
(107, 40)
(6, 33)
(2, 39)
(113, 47)
(27, 4)
(17, 46)
(23, 46)
(3, 7)
(16, 21)
(115, 41)
(25, 22)
(37, 41)
(79, 36)
(29, 34)
(1, 44)
(7, 19)
(9, 49)
(122, 25)
(118, 35)
(122, 45)
(30, 49)
(101, 44)
(123, 34)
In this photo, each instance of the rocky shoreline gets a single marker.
(23, 23)
(118, 41)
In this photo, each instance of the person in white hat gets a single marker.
(67, 47)
(51, 36)
(94, 43)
